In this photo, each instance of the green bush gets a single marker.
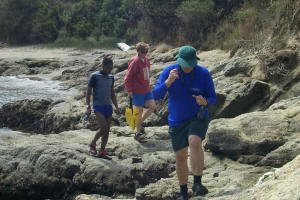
(86, 44)
(196, 16)
(99, 23)
(82, 29)
(196, 12)
(131, 35)
(273, 8)
(16, 18)
(144, 31)
(44, 25)
(81, 19)
(108, 42)
(243, 14)
(28, 21)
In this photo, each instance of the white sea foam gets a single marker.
(13, 88)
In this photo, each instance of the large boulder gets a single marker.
(24, 115)
(57, 165)
(283, 154)
(250, 137)
(238, 96)
(283, 184)
(223, 177)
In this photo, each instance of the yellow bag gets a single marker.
(132, 116)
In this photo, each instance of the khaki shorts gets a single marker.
(180, 134)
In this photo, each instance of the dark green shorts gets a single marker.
(180, 134)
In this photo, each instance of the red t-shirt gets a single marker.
(137, 78)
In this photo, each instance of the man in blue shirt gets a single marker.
(102, 85)
(191, 90)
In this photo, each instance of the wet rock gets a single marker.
(24, 115)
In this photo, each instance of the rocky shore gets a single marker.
(251, 150)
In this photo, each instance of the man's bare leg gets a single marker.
(143, 116)
(150, 104)
(104, 138)
(196, 155)
(103, 127)
(182, 170)
(139, 124)
(197, 164)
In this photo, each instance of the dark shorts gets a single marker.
(105, 110)
(140, 99)
(180, 134)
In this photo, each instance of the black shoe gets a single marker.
(182, 198)
(199, 189)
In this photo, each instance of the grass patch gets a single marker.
(87, 44)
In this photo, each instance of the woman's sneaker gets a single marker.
(103, 155)
(93, 150)
(199, 189)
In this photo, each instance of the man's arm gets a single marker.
(211, 96)
(128, 80)
(88, 100)
(114, 98)
(165, 81)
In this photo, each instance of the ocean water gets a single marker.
(14, 88)
(5, 130)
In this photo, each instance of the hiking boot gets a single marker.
(93, 150)
(199, 189)
(182, 198)
(103, 155)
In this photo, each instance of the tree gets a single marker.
(159, 19)
(110, 21)
(196, 16)
(82, 18)
(44, 25)
(16, 18)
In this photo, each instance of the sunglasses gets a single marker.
(144, 51)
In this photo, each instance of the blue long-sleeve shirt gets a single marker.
(182, 106)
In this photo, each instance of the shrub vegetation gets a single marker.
(97, 23)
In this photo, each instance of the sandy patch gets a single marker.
(38, 53)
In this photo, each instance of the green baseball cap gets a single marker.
(187, 57)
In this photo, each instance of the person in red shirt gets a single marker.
(137, 84)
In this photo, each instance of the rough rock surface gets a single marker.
(252, 131)
(51, 166)
(250, 137)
